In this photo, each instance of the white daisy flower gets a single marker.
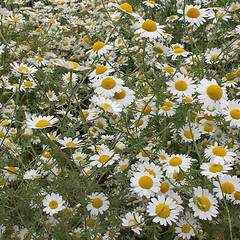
(79, 158)
(189, 134)
(108, 86)
(22, 69)
(151, 168)
(125, 97)
(53, 203)
(68, 142)
(181, 86)
(99, 48)
(149, 29)
(70, 65)
(177, 161)
(194, 14)
(133, 220)
(104, 158)
(145, 184)
(11, 173)
(212, 170)
(101, 71)
(31, 174)
(98, 203)
(211, 94)
(41, 122)
(229, 185)
(163, 209)
(232, 113)
(203, 204)
(219, 155)
(235, 198)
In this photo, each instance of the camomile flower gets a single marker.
(101, 71)
(189, 134)
(203, 204)
(228, 186)
(70, 78)
(232, 113)
(22, 69)
(107, 104)
(207, 127)
(41, 122)
(11, 173)
(151, 168)
(68, 142)
(125, 97)
(151, 4)
(28, 84)
(167, 109)
(177, 199)
(53, 203)
(211, 94)
(177, 161)
(178, 52)
(235, 198)
(79, 158)
(133, 220)
(98, 203)
(149, 29)
(185, 226)
(163, 209)
(212, 170)
(219, 155)
(104, 158)
(141, 122)
(31, 174)
(70, 65)
(108, 86)
(99, 48)
(213, 55)
(194, 14)
(144, 184)
(181, 86)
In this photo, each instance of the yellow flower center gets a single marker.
(237, 195)
(42, 123)
(106, 106)
(51, 20)
(2, 134)
(86, 40)
(149, 26)
(86, 114)
(208, 128)
(235, 114)
(179, 50)
(219, 151)
(163, 210)
(72, 65)
(120, 95)
(175, 161)
(214, 92)
(23, 69)
(40, 59)
(146, 109)
(123, 167)
(97, 46)
(203, 204)
(188, 134)
(215, 168)
(181, 85)
(214, 57)
(164, 187)
(178, 176)
(152, 2)
(151, 172)
(133, 222)
(90, 223)
(169, 104)
(53, 204)
(97, 202)
(108, 83)
(101, 69)
(28, 84)
(127, 7)
(157, 49)
(4, 122)
(139, 122)
(228, 188)
(104, 158)
(185, 228)
(145, 182)
(71, 144)
(11, 170)
(47, 155)
(146, 153)
(193, 12)
(166, 108)
(168, 69)
(100, 124)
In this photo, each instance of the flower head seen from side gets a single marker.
(70, 65)
(98, 203)
(163, 209)
(145, 184)
(204, 204)
(22, 69)
(99, 48)
(68, 142)
(133, 220)
(211, 94)
(41, 122)
(53, 203)
(227, 186)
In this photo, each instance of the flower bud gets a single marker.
(28, 133)
(119, 147)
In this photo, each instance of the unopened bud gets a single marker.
(78, 205)
(169, 143)
(28, 133)
(119, 147)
